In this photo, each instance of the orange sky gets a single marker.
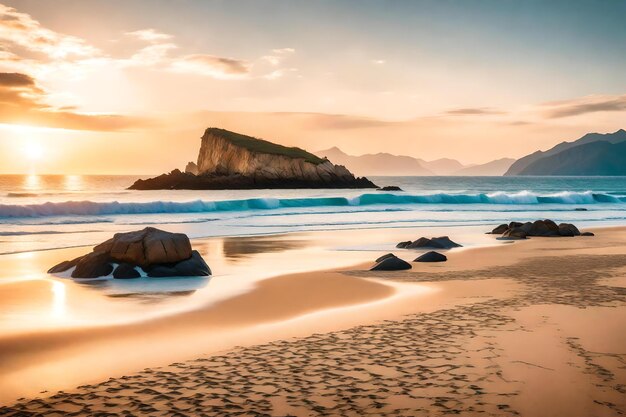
(98, 90)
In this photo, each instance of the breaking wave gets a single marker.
(80, 208)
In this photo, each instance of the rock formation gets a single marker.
(191, 168)
(546, 228)
(442, 242)
(229, 160)
(156, 252)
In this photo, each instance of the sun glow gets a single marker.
(33, 150)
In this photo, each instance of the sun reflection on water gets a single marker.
(73, 182)
(58, 300)
(32, 182)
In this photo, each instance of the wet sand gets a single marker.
(529, 328)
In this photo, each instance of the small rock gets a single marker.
(431, 257)
(442, 242)
(389, 255)
(192, 267)
(390, 188)
(500, 229)
(445, 243)
(403, 245)
(392, 263)
(515, 233)
(568, 229)
(64, 266)
(124, 271)
(93, 265)
(580, 209)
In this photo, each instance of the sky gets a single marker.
(128, 87)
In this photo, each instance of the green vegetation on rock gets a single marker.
(262, 146)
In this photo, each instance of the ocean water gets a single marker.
(45, 212)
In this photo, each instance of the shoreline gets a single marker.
(468, 278)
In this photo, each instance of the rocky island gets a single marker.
(229, 160)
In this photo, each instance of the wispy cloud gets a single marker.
(213, 66)
(23, 101)
(20, 29)
(584, 105)
(149, 35)
(474, 111)
(33, 57)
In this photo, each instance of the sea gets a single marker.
(39, 212)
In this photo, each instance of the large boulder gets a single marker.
(391, 263)
(431, 257)
(158, 252)
(148, 246)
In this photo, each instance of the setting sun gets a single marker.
(33, 150)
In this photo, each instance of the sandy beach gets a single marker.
(527, 328)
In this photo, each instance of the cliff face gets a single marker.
(228, 160)
(254, 158)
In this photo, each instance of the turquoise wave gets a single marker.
(80, 208)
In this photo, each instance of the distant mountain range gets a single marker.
(382, 164)
(592, 154)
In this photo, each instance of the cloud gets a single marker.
(19, 29)
(584, 105)
(473, 111)
(14, 79)
(149, 35)
(214, 66)
(327, 121)
(22, 101)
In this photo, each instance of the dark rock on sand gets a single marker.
(515, 233)
(442, 242)
(192, 267)
(403, 245)
(587, 234)
(64, 266)
(124, 271)
(159, 252)
(93, 265)
(390, 188)
(392, 263)
(568, 229)
(547, 227)
(431, 257)
(389, 255)
(146, 247)
(500, 229)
